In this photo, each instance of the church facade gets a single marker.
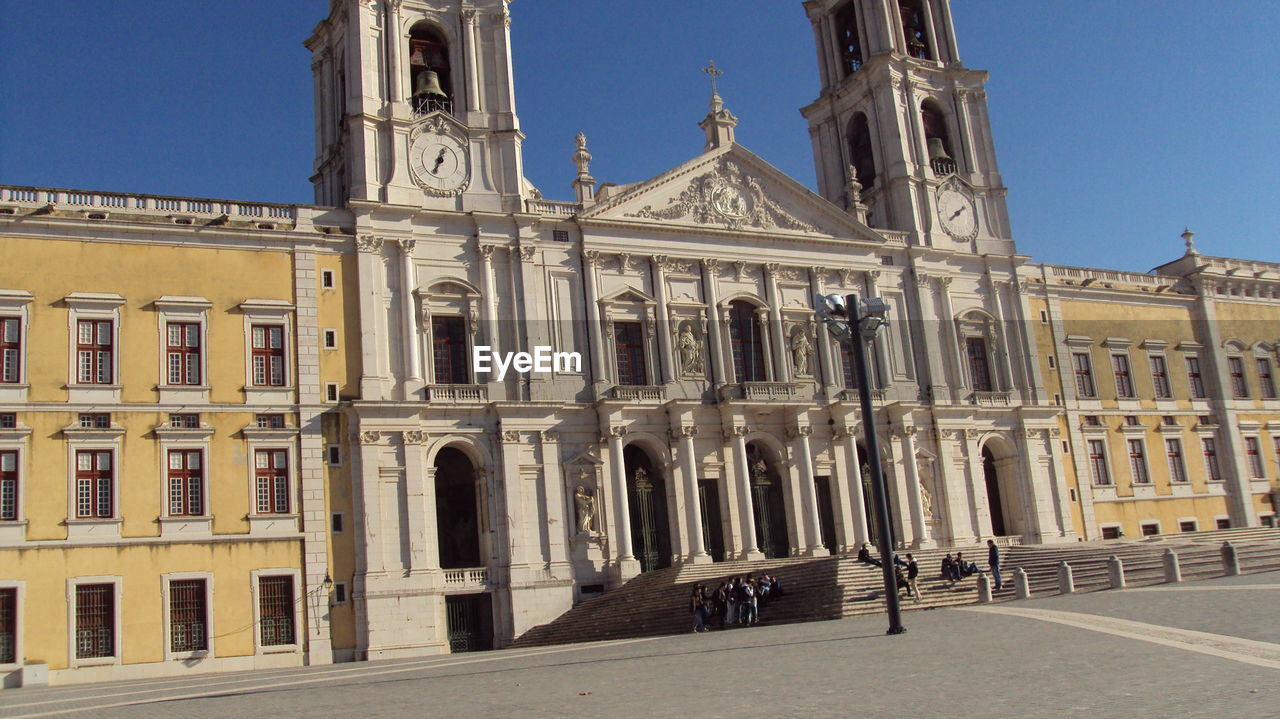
(492, 405)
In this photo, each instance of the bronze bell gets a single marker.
(427, 84)
(937, 151)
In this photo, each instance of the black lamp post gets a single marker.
(856, 324)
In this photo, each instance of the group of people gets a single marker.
(905, 571)
(954, 568)
(736, 601)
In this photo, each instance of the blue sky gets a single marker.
(1116, 123)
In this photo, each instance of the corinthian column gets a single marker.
(808, 492)
(412, 357)
(747, 548)
(693, 506)
(627, 563)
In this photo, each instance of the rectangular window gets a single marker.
(10, 349)
(95, 620)
(1044, 317)
(449, 350)
(185, 420)
(1160, 377)
(331, 391)
(334, 454)
(1131, 420)
(1084, 374)
(94, 357)
(1052, 362)
(979, 367)
(8, 420)
(271, 468)
(1124, 382)
(94, 479)
(1266, 383)
(1169, 420)
(560, 235)
(1110, 532)
(184, 353)
(1138, 462)
(94, 420)
(335, 522)
(188, 616)
(628, 342)
(847, 366)
(1194, 379)
(1222, 523)
(1253, 452)
(1150, 530)
(1235, 367)
(268, 356)
(339, 592)
(275, 610)
(1177, 467)
(1211, 459)
(269, 421)
(1092, 420)
(330, 339)
(186, 483)
(8, 625)
(1098, 462)
(326, 279)
(8, 487)
(1187, 525)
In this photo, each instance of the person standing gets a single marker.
(993, 561)
(720, 599)
(698, 603)
(913, 571)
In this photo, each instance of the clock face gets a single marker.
(957, 214)
(439, 162)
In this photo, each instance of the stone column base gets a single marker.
(703, 558)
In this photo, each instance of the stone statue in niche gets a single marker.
(586, 503)
(690, 351)
(801, 349)
(925, 469)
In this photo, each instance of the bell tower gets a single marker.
(901, 126)
(415, 105)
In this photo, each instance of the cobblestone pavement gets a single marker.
(951, 663)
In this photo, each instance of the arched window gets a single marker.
(847, 39)
(746, 342)
(936, 139)
(429, 70)
(860, 155)
(913, 29)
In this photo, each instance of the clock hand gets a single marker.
(439, 162)
(957, 213)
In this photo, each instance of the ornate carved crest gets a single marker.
(370, 437)
(727, 196)
(368, 243)
(414, 437)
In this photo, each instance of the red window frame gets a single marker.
(979, 363)
(449, 350)
(1266, 381)
(1210, 448)
(95, 621)
(188, 616)
(1084, 374)
(628, 343)
(186, 482)
(746, 342)
(8, 487)
(1138, 461)
(1124, 378)
(275, 611)
(1253, 452)
(847, 367)
(183, 353)
(1194, 378)
(1098, 462)
(1160, 377)
(8, 625)
(10, 350)
(95, 484)
(271, 475)
(1177, 468)
(95, 351)
(1239, 387)
(268, 356)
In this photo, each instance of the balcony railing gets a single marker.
(547, 207)
(80, 200)
(991, 399)
(853, 395)
(760, 391)
(638, 393)
(457, 393)
(472, 578)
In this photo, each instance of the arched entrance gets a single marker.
(647, 500)
(768, 504)
(457, 511)
(1003, 499)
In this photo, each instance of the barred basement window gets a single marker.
(184, 353)
(1150, 530)
(268, 356)
(271, 468)
(1222, 523)
(275, 610)
(8, 488)
(188, 616)
(95, 621)
(1110, 532)
(8, 625)
(560, 235)
(1187, 526)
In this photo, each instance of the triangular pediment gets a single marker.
(629, 294)
(731, 189)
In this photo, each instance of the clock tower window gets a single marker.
(936, 140)
(860, 152)
(914, 30)
(430, 70)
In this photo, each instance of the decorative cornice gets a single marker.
(368, 243)
(370, 437)
(414, 437)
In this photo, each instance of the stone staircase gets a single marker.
(657, 603)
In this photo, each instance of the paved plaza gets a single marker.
(1200, 649)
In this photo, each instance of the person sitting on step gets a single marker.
(966, 569)
(950, 571)
(864, 555)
